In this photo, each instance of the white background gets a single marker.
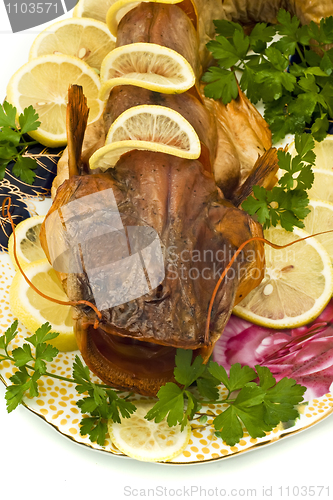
(36, 460)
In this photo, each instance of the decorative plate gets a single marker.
(309, 351)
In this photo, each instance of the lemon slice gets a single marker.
(146, 65)
(321, 219)
(94, 9)
(43, 83)
(119, 8)
(297, 286)
(28, 247)
(322, 187)
(156, 124)
(33, 310)
(86, 39)
(324, 153)
(145, 440)
(147, 128)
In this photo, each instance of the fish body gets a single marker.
(177, 221)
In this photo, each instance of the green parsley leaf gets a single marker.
(280, 398)
(266, 379)
(320, 127)
(7, 152)
(326, 64)
(29, 120)
(81, 376)
(3, 165)
(185, 371)
(260, 36)
(228, 421)
(11, 332)
(95, 428)
(238, 376)
(241, 44)
(207, 386)
(249, 84)
(44, 352)
(14, 395)
(226, 28)
(24, 169)
(278, 60)
(118, 406)
(224, 51)
(22, 355)
(322, 33)
(7, 115)
(43, 334)
(304, 145)
(222, 84)
(191, 409)
(170, 405)
(7, 134)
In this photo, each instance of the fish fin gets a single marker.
(76, 122)
(262, 174)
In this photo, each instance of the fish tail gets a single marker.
(76, 123)
(263, 174)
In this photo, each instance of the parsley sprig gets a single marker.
(30, 367)
(287, 203)
(296, 96)
(258, 405)
(13, 144)
(255, 401)
(101, 402)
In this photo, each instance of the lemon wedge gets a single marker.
(43, 83)
(148, 441)
(28, 247)
(33, 310)
(119, 8)
(86, 39)
(297, 286)
(146, 65)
